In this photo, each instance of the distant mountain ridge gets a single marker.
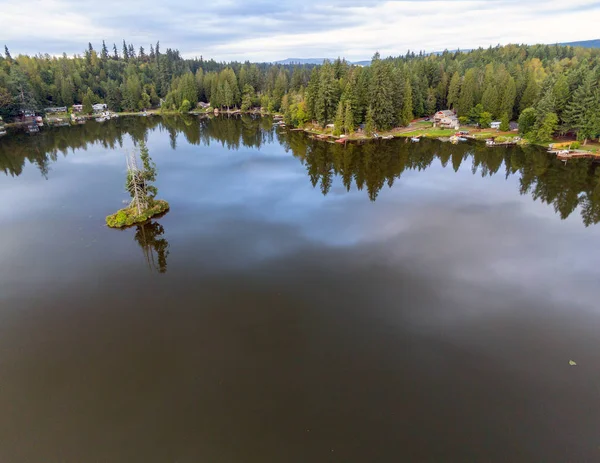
(583, 43)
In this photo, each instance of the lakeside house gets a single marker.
(203, 105)
(445, 119)
(77, 108)
(495, 124)
(99, 107)
(437, 117)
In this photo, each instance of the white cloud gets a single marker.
(268, 30)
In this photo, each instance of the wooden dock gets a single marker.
(574, 154)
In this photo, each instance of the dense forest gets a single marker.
(548, 89)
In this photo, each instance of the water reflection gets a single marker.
(154, 245)
(370, 166)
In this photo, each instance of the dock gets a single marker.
(574, 154)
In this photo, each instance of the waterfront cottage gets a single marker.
(437, 117)
(99, 107)
(445, 119)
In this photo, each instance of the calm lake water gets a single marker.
(301, 301)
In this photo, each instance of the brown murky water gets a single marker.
(301, 302)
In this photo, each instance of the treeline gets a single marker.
(130, 79)
(548, 89)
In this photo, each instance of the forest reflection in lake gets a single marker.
(301, 301)
(370, 166)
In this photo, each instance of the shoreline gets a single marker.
(417, 129)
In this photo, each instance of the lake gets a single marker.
(302, 301)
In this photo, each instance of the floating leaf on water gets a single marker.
(572, 363)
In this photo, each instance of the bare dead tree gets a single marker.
(136, 183)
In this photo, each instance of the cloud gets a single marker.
(268, 30)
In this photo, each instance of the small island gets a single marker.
(143, 204)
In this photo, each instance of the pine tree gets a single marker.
(547, 127)
(507, 97)
(490, 98)
(248, 97)
(115, 52)
(527, 121)
(505, 123)
(125, 51)
(581, 113)
(7, 54)
(348, 119)
(454, 90)
(113, 96)
(326, 102)
(407, 111)
(104, 52)
(381, 93)
(227, 95)
(531, 92)
(370, 126)
(87, 102)
(466, 101)
(338, 125)
(312, 94)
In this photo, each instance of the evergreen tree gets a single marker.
(125, 51)
(281, 86)
(490, 98)
(115, 52)
(370, 126)
(508, 96)
(227, 95)
(581, 113)
(248, 97)
(454, 90)
(312, 94)
(466, 101)
(547, 127)
(338, 125)
(505, 123)
(381, 93)
(527, 121)
(531, 92)
(113, 96)
(407, 113)
(87, 102)
(326, 102)
(104, 52)
(7, 54)
(348, 118)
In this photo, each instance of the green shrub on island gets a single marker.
(139, 184)
(129, 216)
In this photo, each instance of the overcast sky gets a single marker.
(265, 30)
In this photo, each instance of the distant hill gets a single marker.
(317, 61)
(301, 61)
(584, 43)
